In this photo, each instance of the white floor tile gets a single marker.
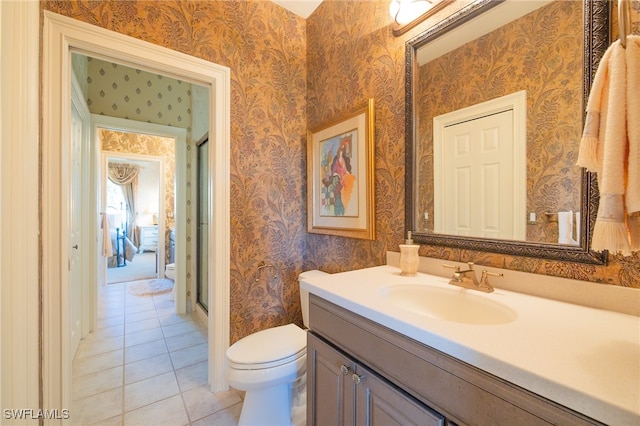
(186, 340)
(164, 304)
(192, 376)
(142, 337)
(189, 356)
(173, 318)
(92, 364)
(132, 299)
(131, 371)
(109, 313)
(138, 307)
(94, 346)
(201, 402)
(144, 350)
(179, 329)
(113, 421)
(108, 298)
(93, 383)
(146, 368)
(110, 322)
(113, 288)
(168, 412)
(136, 326)
(113, 331)
(151, 390)
(226, 417)
(163, 312)
(139, 316)
(96, 408)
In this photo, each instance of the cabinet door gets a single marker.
(330, 386)
(380, 403)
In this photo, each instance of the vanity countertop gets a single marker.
(584, 358)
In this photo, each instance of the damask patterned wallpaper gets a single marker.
(265, 47)
(514, 62)
(360, 60)
(287, 76)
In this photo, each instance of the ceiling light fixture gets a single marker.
(409, 13)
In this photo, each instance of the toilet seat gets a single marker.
(268, 348)
(170, 271)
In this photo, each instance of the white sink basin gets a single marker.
(449, 304)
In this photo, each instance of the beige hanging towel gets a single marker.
(610, 147)
(632, 198)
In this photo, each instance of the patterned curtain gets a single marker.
(126, 175)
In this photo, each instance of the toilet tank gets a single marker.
(304, 295)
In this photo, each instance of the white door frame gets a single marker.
(61, 36)
(19, 206)
(180, 136)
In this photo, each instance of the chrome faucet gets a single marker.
(467, 278)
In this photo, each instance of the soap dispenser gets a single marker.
(409, 260)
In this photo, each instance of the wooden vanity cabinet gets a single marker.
(402, 381)
(330, 393)
(346, 393)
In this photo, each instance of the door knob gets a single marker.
(75, 247)
(356, 378)
(344, 370)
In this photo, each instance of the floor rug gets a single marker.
(151, 287)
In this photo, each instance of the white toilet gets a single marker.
(170, 271)
(271, 365)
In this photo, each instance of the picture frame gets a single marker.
(340, 176)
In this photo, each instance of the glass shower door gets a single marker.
(203, 225)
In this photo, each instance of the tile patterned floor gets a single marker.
(145, 365)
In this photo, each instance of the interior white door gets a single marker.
(75, 227)
(478, 181)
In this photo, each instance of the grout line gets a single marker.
(175, 375)
(124, 348)
(120, 299)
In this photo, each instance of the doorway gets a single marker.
(147, 141)
(62, 36)
(135, 236)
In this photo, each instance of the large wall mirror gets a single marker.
(495, 96)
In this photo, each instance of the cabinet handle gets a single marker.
(356, 378)
(344, 370)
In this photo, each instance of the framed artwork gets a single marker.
(340, 176)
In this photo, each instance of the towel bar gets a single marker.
(624, 21)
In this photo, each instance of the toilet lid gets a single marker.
(268, 348)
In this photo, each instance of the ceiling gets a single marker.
(302, 8)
